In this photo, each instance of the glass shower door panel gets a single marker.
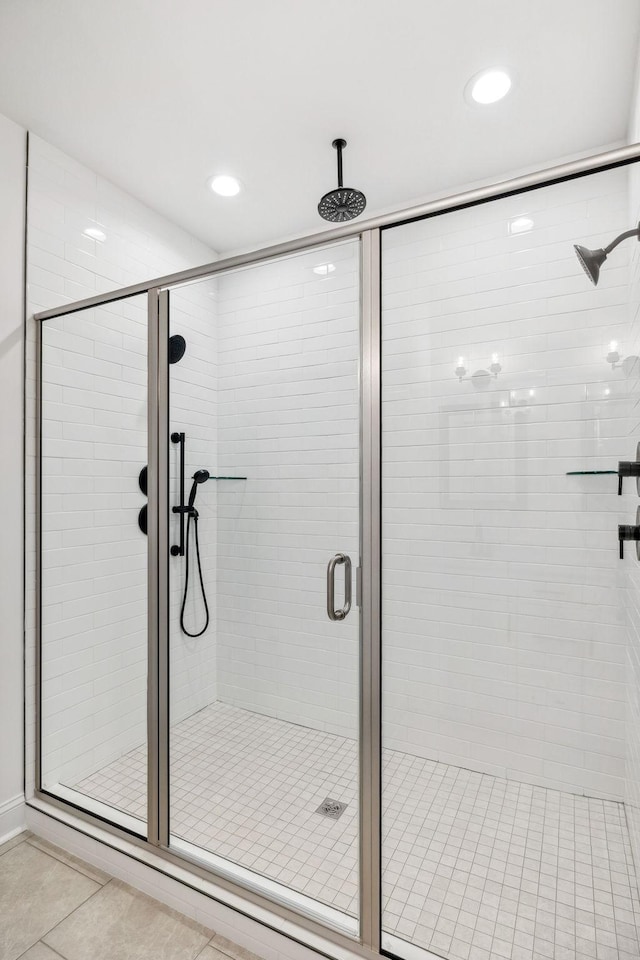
(503, 636)
(264, 413)
(93, 710)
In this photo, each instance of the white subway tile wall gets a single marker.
(288, 341)
(94, 562)
(503, 624)
(631, 565)
(86, 236)
(193, 411)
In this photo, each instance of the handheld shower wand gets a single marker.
(200, 476)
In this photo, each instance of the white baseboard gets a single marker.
(12, 817)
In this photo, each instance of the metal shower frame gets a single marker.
(281, 917)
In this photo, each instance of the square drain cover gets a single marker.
(332, 808)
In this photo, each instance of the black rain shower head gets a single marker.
(345, 203)
(592, 260)
(177, 347)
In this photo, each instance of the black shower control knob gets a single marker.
(627, 532)
(627, 468)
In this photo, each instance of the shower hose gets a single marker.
(193, 515)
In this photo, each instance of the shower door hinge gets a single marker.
(358, 586)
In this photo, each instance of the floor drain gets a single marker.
(331, 808)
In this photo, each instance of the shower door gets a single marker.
(93, 561)
(263, 619)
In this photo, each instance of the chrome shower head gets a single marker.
(592, 260)
(345, 203)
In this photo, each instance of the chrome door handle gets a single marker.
(331, 586)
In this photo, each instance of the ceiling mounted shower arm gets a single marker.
(339, 145)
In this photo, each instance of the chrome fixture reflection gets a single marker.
(592, 260)
(482, 375)
(628, 366)
(522, 398)
(613, 357)
(345, 203)
(461, 370)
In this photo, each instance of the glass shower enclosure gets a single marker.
(331, 600)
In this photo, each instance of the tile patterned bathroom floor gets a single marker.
(476, 867)
(54, 906)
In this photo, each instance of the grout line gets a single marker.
(41, 941)
(9, 845)
(65, 863)
(71, 912)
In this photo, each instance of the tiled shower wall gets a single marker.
(632, 567)
(193, 410)
(94, 600)
(503, 632)
(288, 421)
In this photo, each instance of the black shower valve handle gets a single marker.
(627, 532)
(627, 468)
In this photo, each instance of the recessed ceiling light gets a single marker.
(520, 225)
(489, 86)
(225, 186)
(322, 269)
(95, 234)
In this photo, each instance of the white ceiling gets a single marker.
(158, 95)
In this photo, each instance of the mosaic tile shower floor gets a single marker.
(476, 867)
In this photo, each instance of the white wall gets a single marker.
(288, 420)
(12, 187)
(94, 445)
(503, 633)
